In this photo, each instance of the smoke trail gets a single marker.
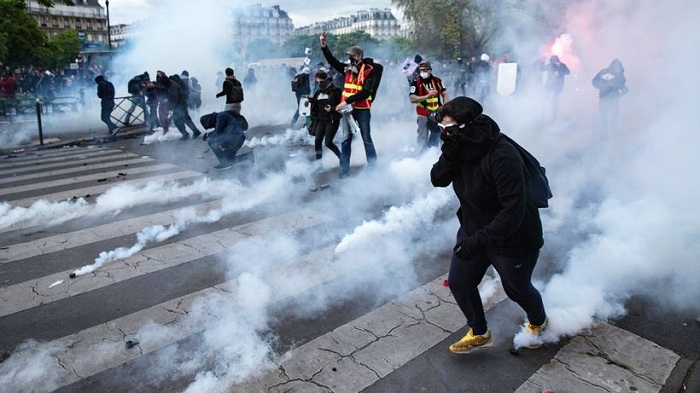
(115, 199)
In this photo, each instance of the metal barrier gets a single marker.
(129, 110)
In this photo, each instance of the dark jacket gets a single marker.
(105, 88)
(370, 83)
(610, 81)
(227, 89)
(317, 106)
(493, 212)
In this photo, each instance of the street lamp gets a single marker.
(109, 28)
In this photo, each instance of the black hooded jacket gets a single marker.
(493, 212)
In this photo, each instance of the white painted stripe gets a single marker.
(79, 154)
(114, 175)
(94, 234)
(68, 171)
(357, 354)
(34, 155)
(73, 162)
(33, 293)
(95, 190)
(606, 359)
(427, 315)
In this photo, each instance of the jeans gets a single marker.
(136, 101)
(106, 114)
(363, 117)
(516, 274)
(426, 137)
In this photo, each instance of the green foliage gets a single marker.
(262, 49)
(3, 46)
(62, 49)
(25, 43)
(450, 28)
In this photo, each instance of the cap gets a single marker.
(425, 64)
(355, 50)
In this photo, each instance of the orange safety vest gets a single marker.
(353, 85)
(430, 104)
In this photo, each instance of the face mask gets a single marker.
(325, 85)
(425, 75)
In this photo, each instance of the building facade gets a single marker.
(258, 22)
(86, 17)
(379, 23)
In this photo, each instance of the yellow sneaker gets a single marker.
(535, 330)
(470, 341)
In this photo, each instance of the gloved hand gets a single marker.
(205, 136)
(466, 249)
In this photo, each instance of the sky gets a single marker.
(303, 13)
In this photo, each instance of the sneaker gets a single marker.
(185, 137)
(223, 166)
(114, 131)
(470, 341)
(535, 330)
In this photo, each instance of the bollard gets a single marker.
(38, 119)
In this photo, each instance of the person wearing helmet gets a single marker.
(482, 78)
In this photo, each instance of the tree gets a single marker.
(25, 43)
(62, 49)
(450, 28)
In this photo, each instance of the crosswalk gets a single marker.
(228, 273)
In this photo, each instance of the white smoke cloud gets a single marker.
(623, 222)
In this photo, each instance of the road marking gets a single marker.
(35, 292)
(95, 190)
(63, 164)
(65, 241)
(115, 175)
(55, 153)
(115, 164)
(605, 359)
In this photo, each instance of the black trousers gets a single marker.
(325, 130)
(516, 274)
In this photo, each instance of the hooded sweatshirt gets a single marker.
(493, 212)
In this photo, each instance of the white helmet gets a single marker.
(485, 57)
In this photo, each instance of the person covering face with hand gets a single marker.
(498, 225)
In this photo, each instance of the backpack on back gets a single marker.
(134, 85)
(538, 190)
(378, 70)
(236, 92)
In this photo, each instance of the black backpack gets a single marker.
(134, 85)
(236, 92)
(378, 70)
(538, 191)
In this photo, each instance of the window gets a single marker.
(55, 22)
(78, 24)
(89, 37)
(88, 24)
(66, 23)
(99, 25)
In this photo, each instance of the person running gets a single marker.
(499, 227)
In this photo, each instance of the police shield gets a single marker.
(507, 78)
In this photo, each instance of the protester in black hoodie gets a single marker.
(105, 91)
(181, 116)
(498, 226)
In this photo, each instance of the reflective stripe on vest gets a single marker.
(430, 104)
(354, 85)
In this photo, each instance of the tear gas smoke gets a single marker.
(623, 222)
